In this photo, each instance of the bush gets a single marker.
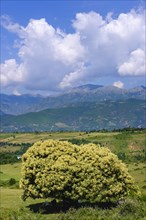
(47, 169)
(12, 181)
(129, 210)
(102, 177)
(134, 208)
(64, 171)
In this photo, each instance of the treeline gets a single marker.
(6, 157)
(13, 157)
(86, 131)
(15, 144)
(82, 141)
(132, 129)
(128, 157)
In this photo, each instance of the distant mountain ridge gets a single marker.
(86, 87)
(80, 117)
(17, 105)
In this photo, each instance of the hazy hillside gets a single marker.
(83, 116)
(16, 105)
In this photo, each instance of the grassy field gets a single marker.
(138, 171)
(12, 207)
(10, 171)
(116, 141)
(33, 137)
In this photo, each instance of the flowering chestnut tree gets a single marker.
(61, 170)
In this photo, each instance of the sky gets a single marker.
(48, 47)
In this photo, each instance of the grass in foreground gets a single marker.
(131, 209)
(12, 207)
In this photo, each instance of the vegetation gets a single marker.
(10, 175)
(80, 117)
(128, 144)
(64, 171)
(8, 158)
(14, 154)
(131, 209)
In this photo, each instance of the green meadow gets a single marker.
(128, 145)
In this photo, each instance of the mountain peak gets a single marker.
(85, 93)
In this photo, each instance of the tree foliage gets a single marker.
(64, 171)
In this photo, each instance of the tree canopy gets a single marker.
(64, 171)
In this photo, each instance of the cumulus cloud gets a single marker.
(51, 59)
(118, 84)
(11, 73)
(135, 65)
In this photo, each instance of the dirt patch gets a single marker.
(134, 147)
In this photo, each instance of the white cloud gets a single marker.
(8, 24)
(52, 59)
(11, 73)
(75, 76)
(107, 43)
(16, 92)
(88, 22)
(118, 84)
(135, 65)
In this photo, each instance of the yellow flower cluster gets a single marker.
(61, 170)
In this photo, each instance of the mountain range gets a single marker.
(16, 105)
(85, 108)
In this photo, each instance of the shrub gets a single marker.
(12, 181)
(64, 171)
(130, 210)
(102, 176)
(47, 169)
(134, 208)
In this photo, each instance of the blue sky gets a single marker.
(48, 46)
